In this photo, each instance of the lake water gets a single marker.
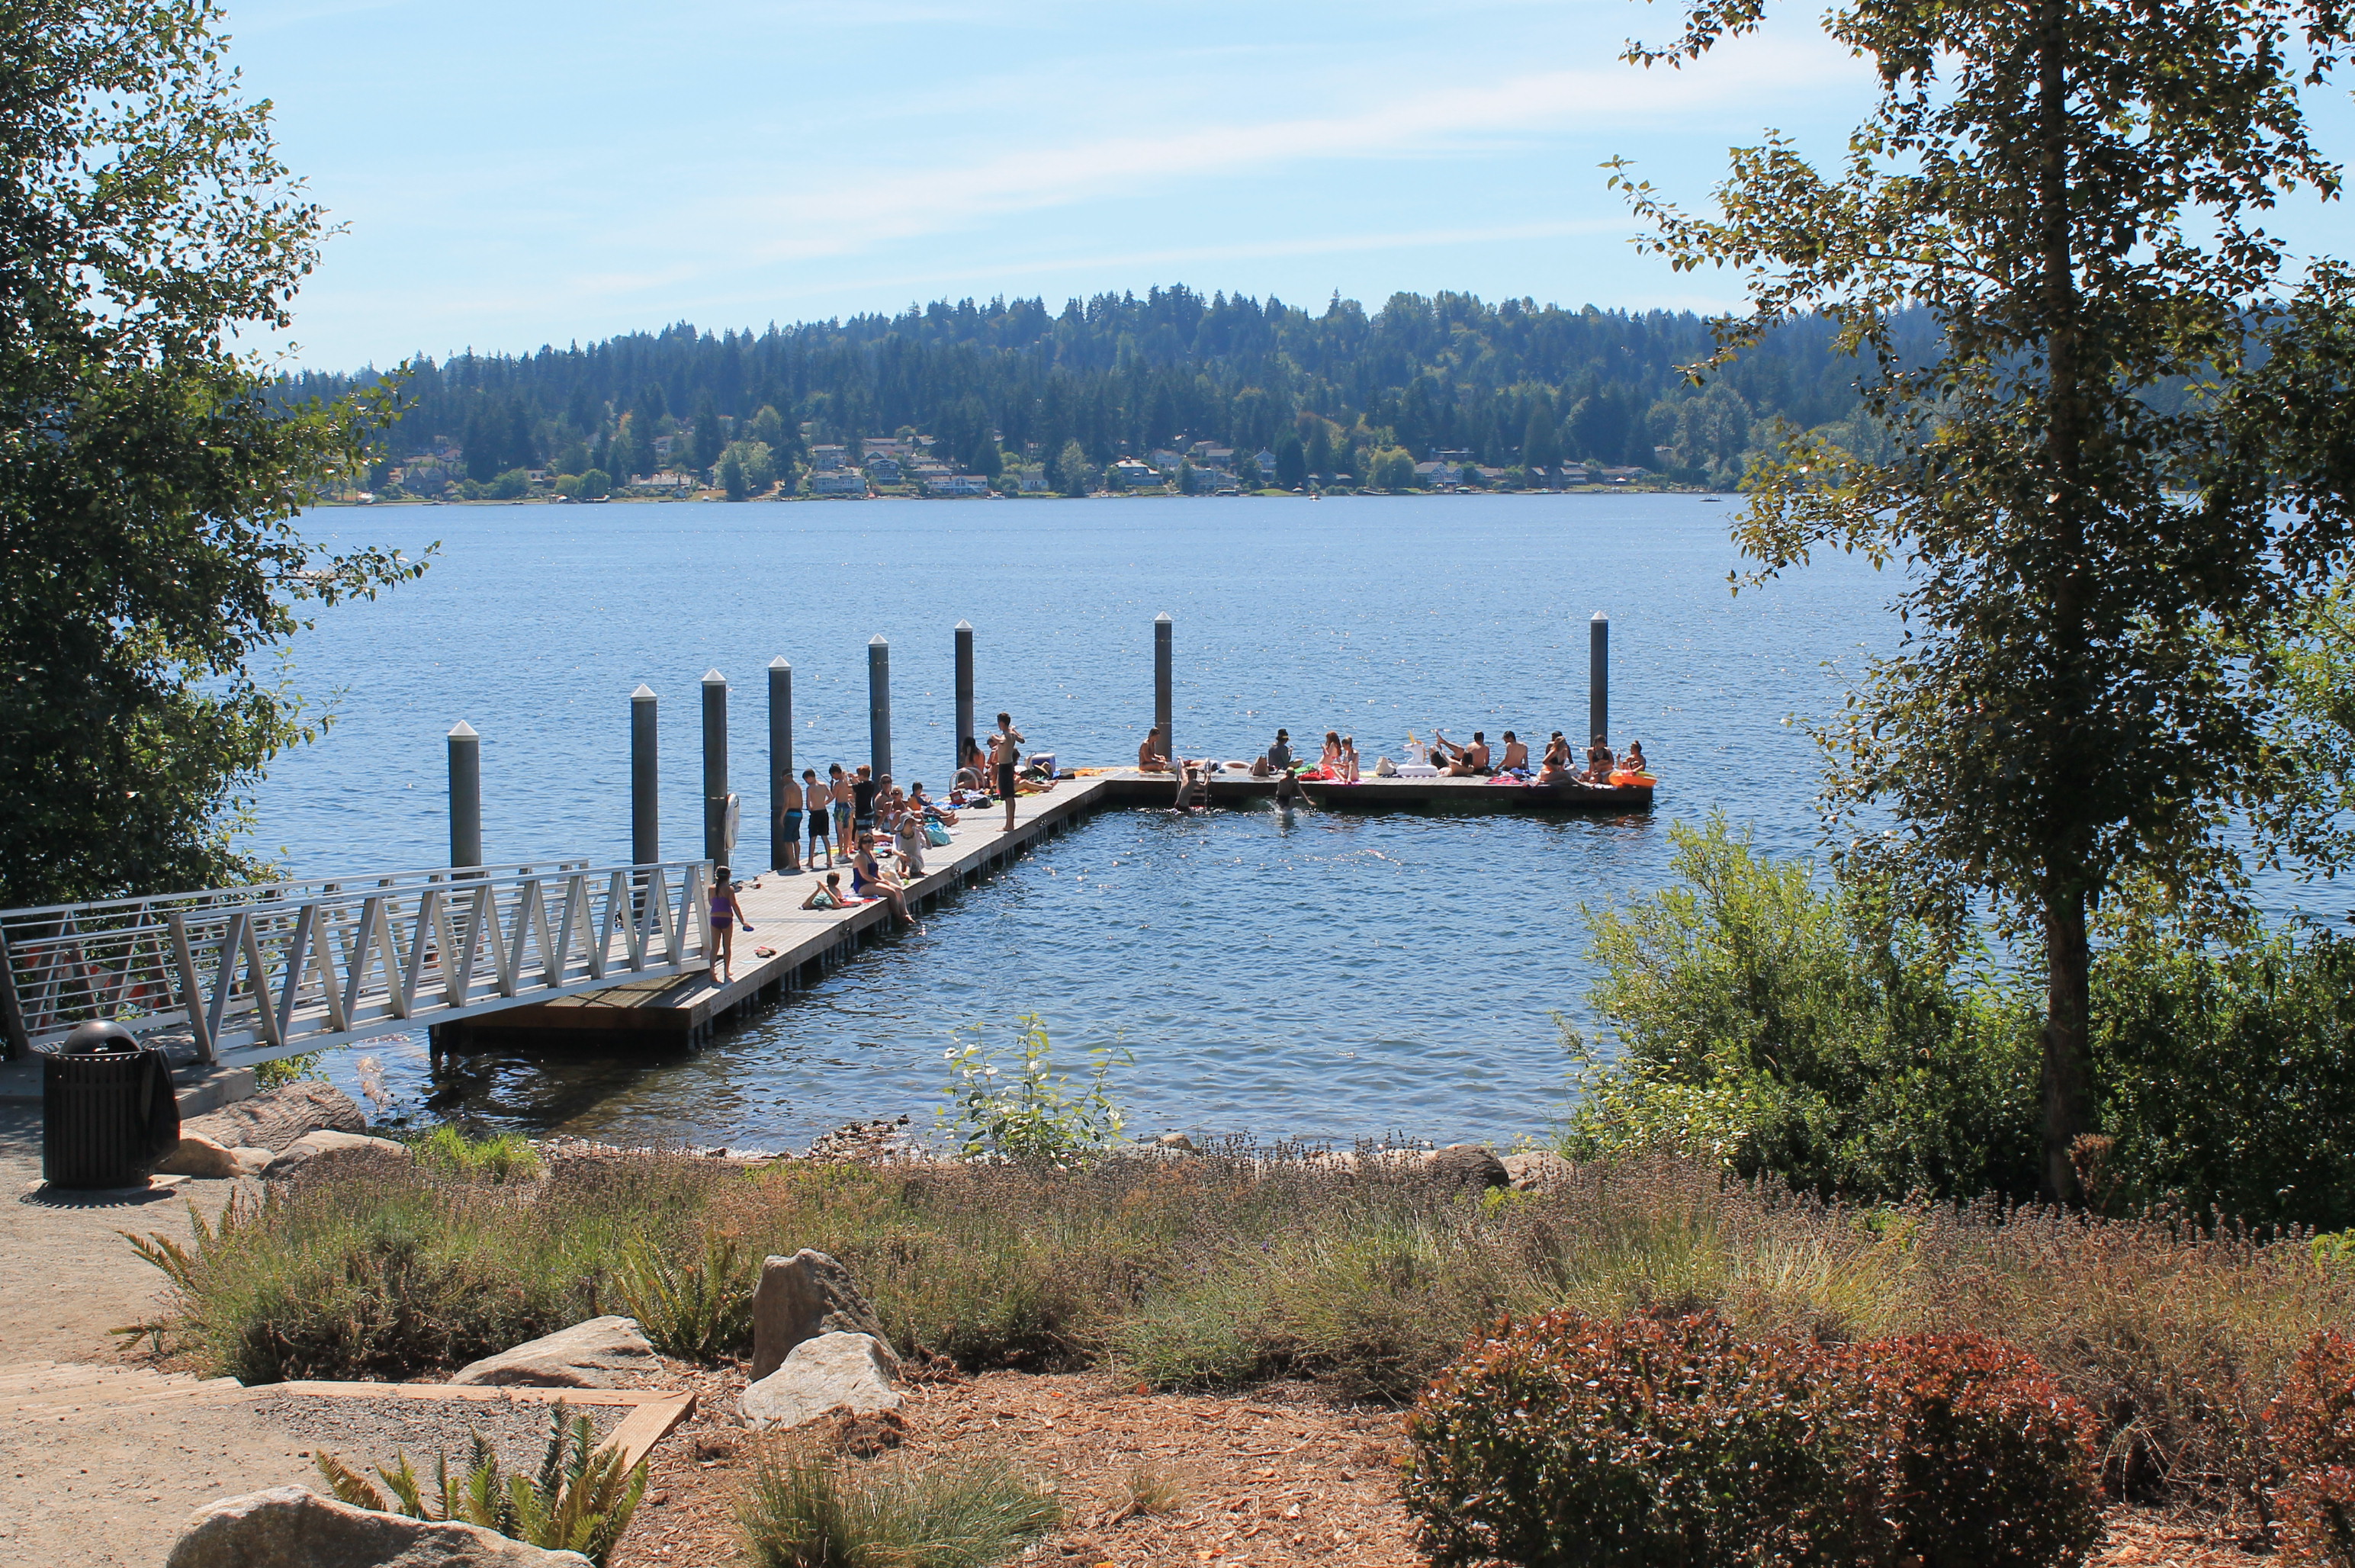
(1319, 976)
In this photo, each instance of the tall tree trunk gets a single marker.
(2067, 1079)
(2068, 1068)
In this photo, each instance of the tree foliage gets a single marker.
(2126, 455)
(148, 483)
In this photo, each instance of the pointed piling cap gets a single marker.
(779, 663)
(878, 641)
(1602, 617)
(1162, 619)
(713, 678)
(965, 625)
(463, 731)
(644, 694)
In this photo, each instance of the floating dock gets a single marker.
(803, 945)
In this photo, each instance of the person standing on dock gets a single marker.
(789, 800)
(862, 802)
(838, 792)
(724, 916)
(821, 809)
(1005, 752)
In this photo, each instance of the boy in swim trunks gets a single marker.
(789, 799)
(818, 814)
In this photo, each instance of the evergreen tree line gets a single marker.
(1508, 384)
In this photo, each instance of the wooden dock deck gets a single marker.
(806, 944)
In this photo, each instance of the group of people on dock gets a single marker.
(880, 831)
(1338, 762)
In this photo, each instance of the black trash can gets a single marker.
(108, 1111)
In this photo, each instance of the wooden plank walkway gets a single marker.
(806, 943)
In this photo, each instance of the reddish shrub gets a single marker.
(1565, 1441)
(2312, 1424)
(1976, 1458)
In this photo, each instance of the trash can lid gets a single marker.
(98, 1035)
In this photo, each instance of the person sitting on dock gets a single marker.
(827, 894)
(1600, 762)
(929, 808)
(1149, 759)
(821, 812)
(908, 842)
(973, 772)
(1348, 759)
(869, 879)
(1279, 756)
(1554, 767)
(1329, 761)
(1260, 769)
(1633, 762)
(1517, 756)
(1005, 755)
(724, 916)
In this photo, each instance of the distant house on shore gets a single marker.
(1266, 461)
(884, 466)
(1032, 481)
(1219, 457)
(664, 480)
(1620, 475)
(1131, 475)
(838, 482)
(829, 457)
(957, 485)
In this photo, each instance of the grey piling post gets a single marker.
(782, 849)
(1598, 677)
(646, 781)
(1163, 717)
(878, 705)
(465, 796)
(963, 692)
(715, 765)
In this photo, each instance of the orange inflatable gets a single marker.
(1622, 779)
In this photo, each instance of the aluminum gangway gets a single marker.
(249, 974)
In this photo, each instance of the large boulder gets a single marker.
(1536, 1170)
(274, 1119)
(800, 1297)
(315, 1145)
(586, 1355)
(201, 1157)
(834, 1371)
(291, 1527)
(1466, 1166)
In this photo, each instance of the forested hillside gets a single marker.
(1511, 384)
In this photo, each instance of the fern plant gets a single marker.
(694, 1311)
(580, 1500)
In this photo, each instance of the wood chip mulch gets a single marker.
(1281, 1475)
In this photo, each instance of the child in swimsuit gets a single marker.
(724, 916)
(818, 817)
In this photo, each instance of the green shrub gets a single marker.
(285, 1070)
(1804, 1030)
(698, 1311)
(580, 1500)
(805, 1508)
(1034, 1111)
(1569, 1440)
(2227, 1074)
(2312, 1423)
(501, 1157)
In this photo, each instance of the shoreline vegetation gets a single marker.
(1662, 487)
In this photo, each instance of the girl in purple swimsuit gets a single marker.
(724, 916)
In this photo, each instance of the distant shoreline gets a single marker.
(1653, 488)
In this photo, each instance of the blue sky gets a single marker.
(519, 173)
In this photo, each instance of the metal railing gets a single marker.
(269, 970)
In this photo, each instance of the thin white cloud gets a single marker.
(848, 218)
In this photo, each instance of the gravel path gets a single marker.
(365, 1433)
